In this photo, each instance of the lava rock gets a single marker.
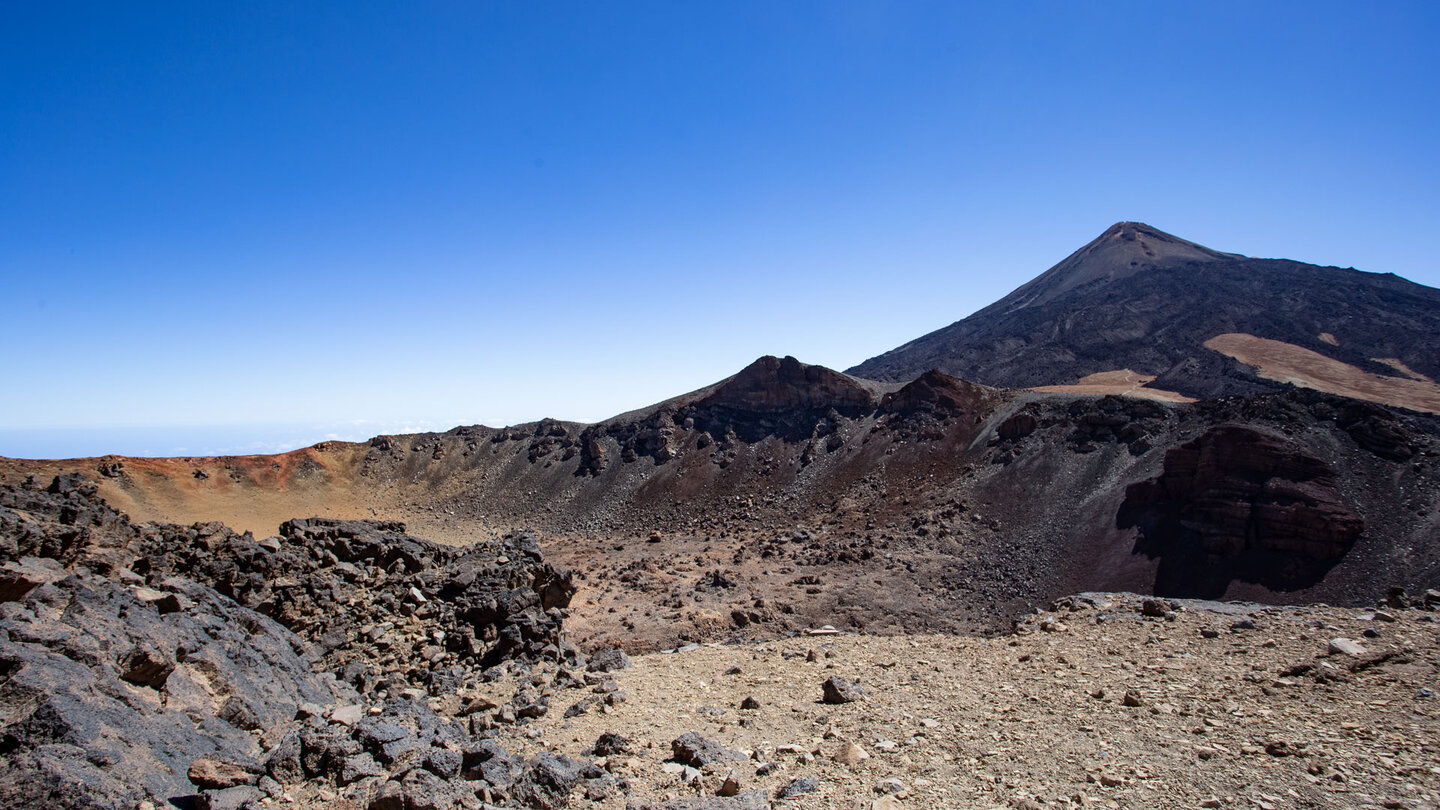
(837, 690)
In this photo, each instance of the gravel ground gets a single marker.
(1262, 717)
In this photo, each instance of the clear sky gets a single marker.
(230, 227)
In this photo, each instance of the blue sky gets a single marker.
(239, 227)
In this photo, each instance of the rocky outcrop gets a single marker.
(770, 398)
(346, 586)
(106, 700)
(772, 384)
(1239, 503)
(63, 521)
(162, 664)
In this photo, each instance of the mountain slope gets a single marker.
(789, 496)
(1137, 298)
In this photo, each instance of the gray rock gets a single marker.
(797, 787)
(359, 766)
(388, 796)
(426, 791)
(283, 763)
(120, 748)
(546, 782)
(837, 690)
(19, 577)
(233, 798)
(1344, 646)
(324, 751)
(485, 760)
(609, 660)
(696, 751)
(609, 744)
(444, 763)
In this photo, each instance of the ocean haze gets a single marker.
(191, 440)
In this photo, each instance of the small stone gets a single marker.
(611, 744)
(1209, 632)
(1344, 646)
(798, 786)
(146, 666)
(838, 690)
(163, 602)
(443, 762)
(609, 660)
(731, 785)
(213, 773)
(888, 786)
(851, 754)
(347, 715)
(696, 751)
(1132, 699)
(232, 798)
(750, 703)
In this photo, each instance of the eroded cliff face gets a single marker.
(1238, 503)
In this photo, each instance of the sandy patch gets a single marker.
(1121, 382)
(1286, 362)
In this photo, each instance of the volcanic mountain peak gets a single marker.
(1124, 249)
(776, 384)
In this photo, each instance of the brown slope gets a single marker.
(1293, 365)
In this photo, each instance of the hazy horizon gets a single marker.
(282, 221)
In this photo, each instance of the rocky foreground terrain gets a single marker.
(349, 665)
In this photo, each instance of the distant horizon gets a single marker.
(275, 219)
(265, 438)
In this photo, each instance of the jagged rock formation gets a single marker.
(344, 585)
(107, 695)
(1140, 299)
(157, 664)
